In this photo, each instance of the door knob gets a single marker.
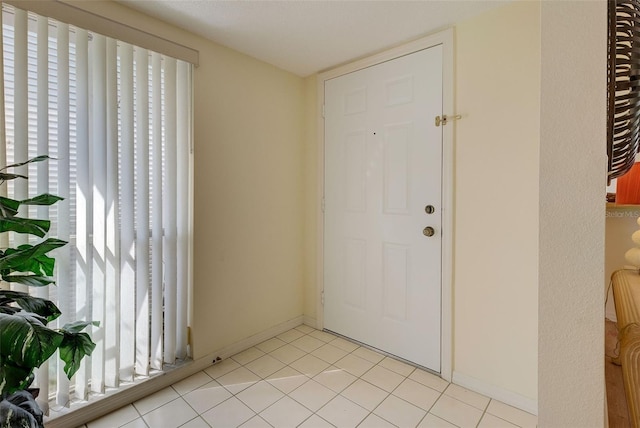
(428, 231)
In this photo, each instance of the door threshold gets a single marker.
(385, 353)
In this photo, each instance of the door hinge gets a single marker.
(322, 110)
(445, 119)
(322, 204)
(188, 335)
(322, 297)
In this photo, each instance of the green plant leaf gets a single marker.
(9, 296)
(4, 176)
(78, 326)
(42, 264)
(6, 309)
(8, 207)
(36, 159)
(30, 280)
(20, 410)
(13, 377)
(25, 225)
(44, 199)
(31, 258)
(25, 340)
(73, 348)
(43, 307)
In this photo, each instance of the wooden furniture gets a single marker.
(626, 293)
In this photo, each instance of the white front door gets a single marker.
(383, 184)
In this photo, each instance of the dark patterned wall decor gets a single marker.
(623, 86)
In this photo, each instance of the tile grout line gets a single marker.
(484, 412)
(312, 378)
(199, 415)
(389, 393)
(499, 417)
(405, 377)
(374, 364)
(384, 376)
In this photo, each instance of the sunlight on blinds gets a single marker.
(117, 119)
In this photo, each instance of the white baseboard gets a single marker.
(508, 397)
(247, 343)
(85, 412)
(311, 322)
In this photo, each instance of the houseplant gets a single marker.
(25, 340)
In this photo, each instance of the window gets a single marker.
(117, 118)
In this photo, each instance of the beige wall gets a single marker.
(496, 200)
(248, 242)
(572, 214)
(497, 88)
(620, 225)
(249, 189)
(255, 154)
(503, 244)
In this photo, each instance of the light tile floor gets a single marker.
(311, 379)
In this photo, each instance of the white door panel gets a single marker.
(383, 158)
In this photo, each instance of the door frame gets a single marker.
(446, 39)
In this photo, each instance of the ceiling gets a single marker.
(304, 36)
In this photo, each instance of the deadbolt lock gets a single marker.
(428, 231)
(444, 119)
(429, 209)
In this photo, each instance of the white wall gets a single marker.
(496, 203)
(248, 237)
(311, 199)
(572, 214)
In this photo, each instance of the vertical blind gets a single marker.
(117, 120)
